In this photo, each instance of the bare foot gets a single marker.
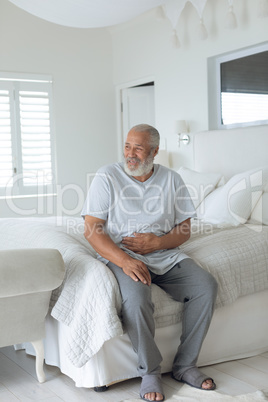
(149, 382)
(154, 396)
(195, 378)
(208, 384)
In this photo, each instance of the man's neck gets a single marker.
(144, 178)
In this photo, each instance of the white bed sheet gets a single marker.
(228, 255)
(237, 331)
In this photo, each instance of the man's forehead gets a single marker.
(138, 137)
(136, 141)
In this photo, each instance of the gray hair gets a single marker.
(154, 134)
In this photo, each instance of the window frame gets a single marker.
(214, 86)
(27, 82)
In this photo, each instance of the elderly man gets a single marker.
(137, 214)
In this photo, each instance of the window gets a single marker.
(238, 88)
(26, 141)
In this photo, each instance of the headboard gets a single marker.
(231, 151)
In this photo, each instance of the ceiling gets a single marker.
(87, 13)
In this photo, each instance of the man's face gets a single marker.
(138, 153)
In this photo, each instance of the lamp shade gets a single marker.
(180, 126)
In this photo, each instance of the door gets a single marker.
(137, 107)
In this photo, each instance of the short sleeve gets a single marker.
(183, 202)
(98, 198)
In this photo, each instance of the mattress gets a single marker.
(237, 331)
(237, 258)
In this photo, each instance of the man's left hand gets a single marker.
(142, 243)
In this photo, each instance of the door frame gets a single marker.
(119, 113)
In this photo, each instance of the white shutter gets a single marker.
(35, 131)
(27, 158)
(6, 166)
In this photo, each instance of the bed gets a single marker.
(229, 186)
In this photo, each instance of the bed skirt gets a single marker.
(237, 331)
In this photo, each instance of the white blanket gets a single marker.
(236, 256)
(89, 301)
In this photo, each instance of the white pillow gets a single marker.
(199, 184)
(260, 212)
(232, 204)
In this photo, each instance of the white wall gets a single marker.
(80, 62)
(88, 65)
(143, 48)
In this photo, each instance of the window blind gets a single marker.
(243, 108)
(35, 137)
(27, 160)
(6, 168)
(244, 89)
(246, 74)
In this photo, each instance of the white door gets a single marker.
(137, 107)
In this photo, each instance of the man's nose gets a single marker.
(132, 153)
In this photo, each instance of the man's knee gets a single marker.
(207, 286)
(210, 286)
(139, 296)
(213, 286)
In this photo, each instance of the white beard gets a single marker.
(143, 169)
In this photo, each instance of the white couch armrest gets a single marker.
(28, 271)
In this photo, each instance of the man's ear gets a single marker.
(156, 151)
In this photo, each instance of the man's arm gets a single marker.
(103, 244)
(144, 243)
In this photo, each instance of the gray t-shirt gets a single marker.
(128, 206)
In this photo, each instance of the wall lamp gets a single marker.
(181, 130)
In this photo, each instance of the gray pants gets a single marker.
(186, 282)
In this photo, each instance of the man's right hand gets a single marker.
(137, 271)
(104, 245)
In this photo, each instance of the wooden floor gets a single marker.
(18, 381)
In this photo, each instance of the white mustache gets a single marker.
(133, 159)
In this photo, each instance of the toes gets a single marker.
(150, 396)
(207, 384)
(154, 396)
